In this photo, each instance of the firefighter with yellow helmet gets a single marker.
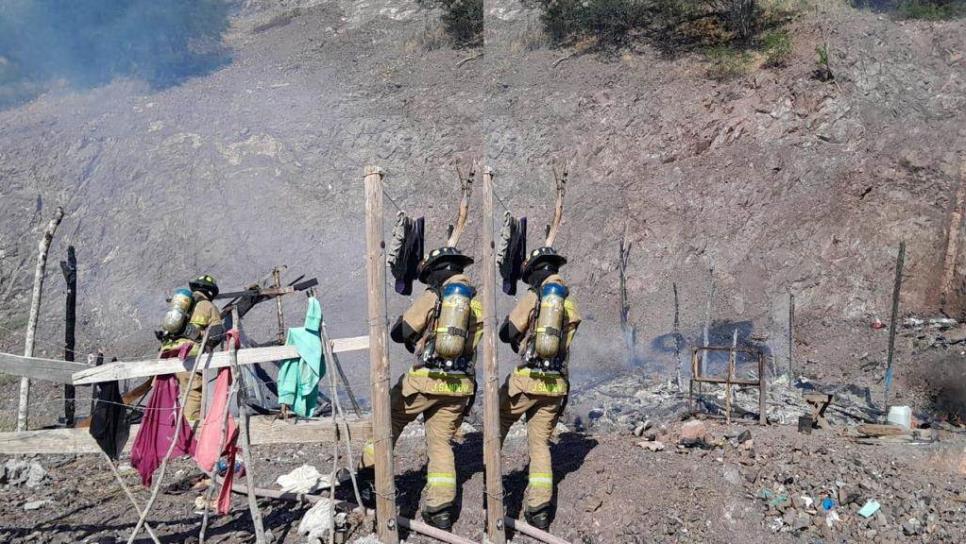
(540, 328)
(191, 314)
(442, 328)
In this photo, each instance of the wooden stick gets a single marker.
(28, 350)
(130, 496)
(69, 269)
(791, 335)
(174, 440)
(762, 391)
(676, 331)
(279, 314)
(223, 438)
(952, 237)
(533, 532)
(707, 323)
(466, 187)
(379, 359)
(492, 459)
(897, 287)
(731, 375)
(155, 367)
(561, 185)
(344, 433)
(246, 443)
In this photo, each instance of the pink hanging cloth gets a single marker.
(209, 448)
(158, 429)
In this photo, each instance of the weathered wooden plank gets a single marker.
(140, 369)
(35, 368)
(264, 430)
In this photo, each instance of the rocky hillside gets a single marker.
(779, 181)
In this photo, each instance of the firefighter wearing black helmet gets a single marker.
(442, 328)
(204, 317)
(541, 328)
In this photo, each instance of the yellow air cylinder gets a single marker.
(176, 317)
(453, 321)
(549, 334)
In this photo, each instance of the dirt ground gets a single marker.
(609, 490)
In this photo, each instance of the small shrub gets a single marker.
(462, 19)
(931, 10)
(741, 17)
(777, 47)
(823, 71)
(727, 63)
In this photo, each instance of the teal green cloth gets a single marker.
(298, 379)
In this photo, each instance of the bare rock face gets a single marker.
(18, 472)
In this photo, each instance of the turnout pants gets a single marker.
(192, 404)
(542, 412)
(442, 416)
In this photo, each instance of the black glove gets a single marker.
(510, 335)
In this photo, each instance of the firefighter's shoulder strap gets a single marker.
(424, 313)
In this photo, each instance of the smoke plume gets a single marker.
(85, 43)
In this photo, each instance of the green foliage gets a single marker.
(667, 24)
(777, 47)
(727, 63)
(931, 10)
(823, 71)
(462, 19)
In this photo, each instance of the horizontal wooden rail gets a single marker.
(263, 430)
(35, 368)
(155, 367)
(55, 370)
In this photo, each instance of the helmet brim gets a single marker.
(554, 260)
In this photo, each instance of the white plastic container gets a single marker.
(900, 415)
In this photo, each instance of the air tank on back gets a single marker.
(453, 321)
(178, 312)
(549, 327)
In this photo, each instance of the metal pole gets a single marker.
(900, 261)
(379, 359)
(491, 376)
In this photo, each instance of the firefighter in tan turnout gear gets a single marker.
(191, 315)
(541, 329)
(442, 328)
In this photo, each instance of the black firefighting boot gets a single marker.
(539, 517)
(440, 517)
(366, 478)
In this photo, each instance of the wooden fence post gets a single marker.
(28, 350)
(69, 268)
(896, 289)
(379, 359)
(492, 459)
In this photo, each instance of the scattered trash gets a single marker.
(656, 445)
(35, 505)
(831, 518)
(302, 480)
(900, 415)
(773, 499)
(877, 324)
(805, 424)
(222, 467)
(317, 521)
(828, 503)
(871, 507)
